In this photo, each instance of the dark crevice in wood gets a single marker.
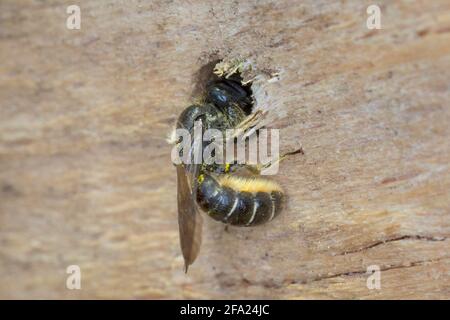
(272, 284)
(364, 272)
(398, 238)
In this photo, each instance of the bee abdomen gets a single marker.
(239, 201)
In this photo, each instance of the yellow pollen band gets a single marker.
(254, 184)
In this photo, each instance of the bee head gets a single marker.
(225, 92)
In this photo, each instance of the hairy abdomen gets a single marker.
(239, 201)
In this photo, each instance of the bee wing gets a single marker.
(189, 219)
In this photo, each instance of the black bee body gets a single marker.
(237, 207)
(226, 197)
(227, 104)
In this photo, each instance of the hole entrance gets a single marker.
(206, 77)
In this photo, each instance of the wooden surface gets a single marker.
(86, 176)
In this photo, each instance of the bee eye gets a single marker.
(218, 97)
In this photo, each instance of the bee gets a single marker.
(234, 193)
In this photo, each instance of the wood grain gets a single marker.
(86, 176)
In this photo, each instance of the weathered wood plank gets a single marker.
(86, 177)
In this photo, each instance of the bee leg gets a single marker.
(279, 159)
(249, 124)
